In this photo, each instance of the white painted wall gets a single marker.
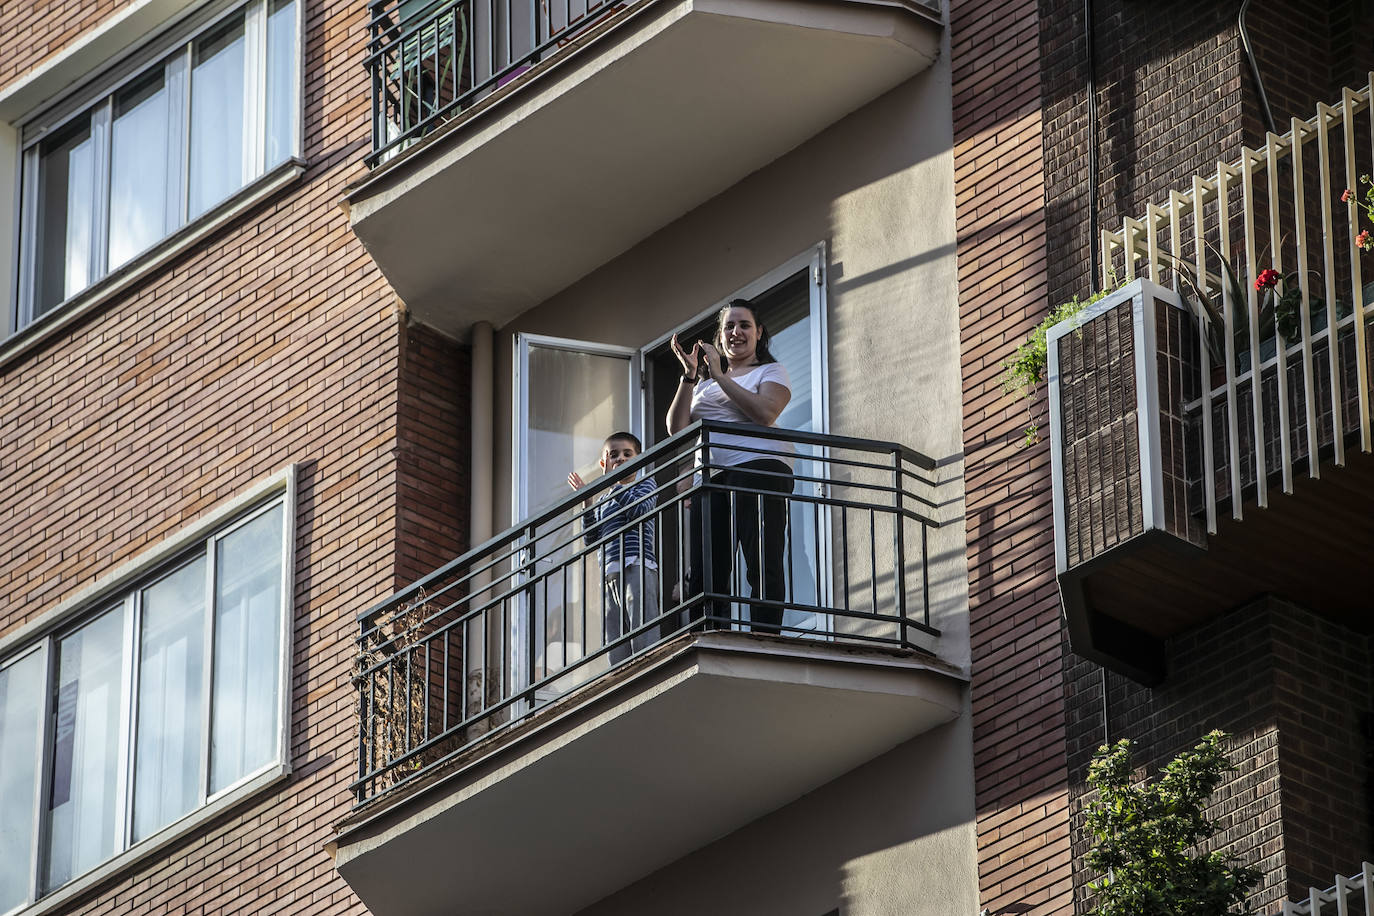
(894, 837)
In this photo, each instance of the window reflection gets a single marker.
(248, 603)
(21, 709)
(219, 161)
(171, 672)
(138, 168)
(66, 183)
(83, 802)
(281, 53)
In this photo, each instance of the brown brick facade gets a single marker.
(1293, 690)
(33, 32)
(1018, 705)
(432, 453)
(1174, 95)
(275, 341)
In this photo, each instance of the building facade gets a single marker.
(311, 307)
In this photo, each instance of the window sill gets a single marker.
(145, 849)
(84, 303)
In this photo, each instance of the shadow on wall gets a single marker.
(896, 832)
(302, 627)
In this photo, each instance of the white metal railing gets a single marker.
(1265, 198)
(1353, 896)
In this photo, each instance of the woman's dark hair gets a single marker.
(761, 352)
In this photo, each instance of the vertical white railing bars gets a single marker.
(1290, 388)
(1353, 896)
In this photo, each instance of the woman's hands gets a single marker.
(680, 411)
(703, 360)
(711, 362)
(690, 360)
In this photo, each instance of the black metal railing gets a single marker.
(841, 554)
(430, 59)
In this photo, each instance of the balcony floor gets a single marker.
(704, 735)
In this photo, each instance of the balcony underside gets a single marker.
(1311, 547)
(660, 109)
(706, 734)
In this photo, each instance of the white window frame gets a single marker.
(121, 592)
(813, 259)
(94, 96)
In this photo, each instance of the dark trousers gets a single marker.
(757, 524)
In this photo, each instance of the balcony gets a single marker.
(502, 729)
(516, 148)
(1211, 441)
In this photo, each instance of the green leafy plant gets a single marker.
(1024, 370)
(1145, 837)
(1283, 297)
(1204, 298)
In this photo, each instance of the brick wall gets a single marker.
(1307, 53)
(274, 341)
(1017, 692)
(1175, 94)
(1168, 95)
(32, 32)
(1323, 675)
(1293, 690)
(432, 450)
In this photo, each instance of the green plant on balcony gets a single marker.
(1024, 370)
(1279, 310)
(1145, 836)
(1283, 299)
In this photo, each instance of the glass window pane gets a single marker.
(217, 110)
(21, 713)
(785, 310)
(66, 189)
(281, 80)
(248, 611)
(170, 731)
(82, 805)
(138, 168)
(576, 399)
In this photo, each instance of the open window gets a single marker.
(570, 395)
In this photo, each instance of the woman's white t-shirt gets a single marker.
(709, 402)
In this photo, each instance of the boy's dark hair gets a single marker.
(624, 437)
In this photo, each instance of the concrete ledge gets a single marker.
(703, 737)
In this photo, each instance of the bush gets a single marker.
(1145, 837)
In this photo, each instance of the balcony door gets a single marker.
(570, 395)
(790, 303)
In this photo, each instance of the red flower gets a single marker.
(1364, 240)
(1346, 195)
(1268, 279)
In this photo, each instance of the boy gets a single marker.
(628, 562)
